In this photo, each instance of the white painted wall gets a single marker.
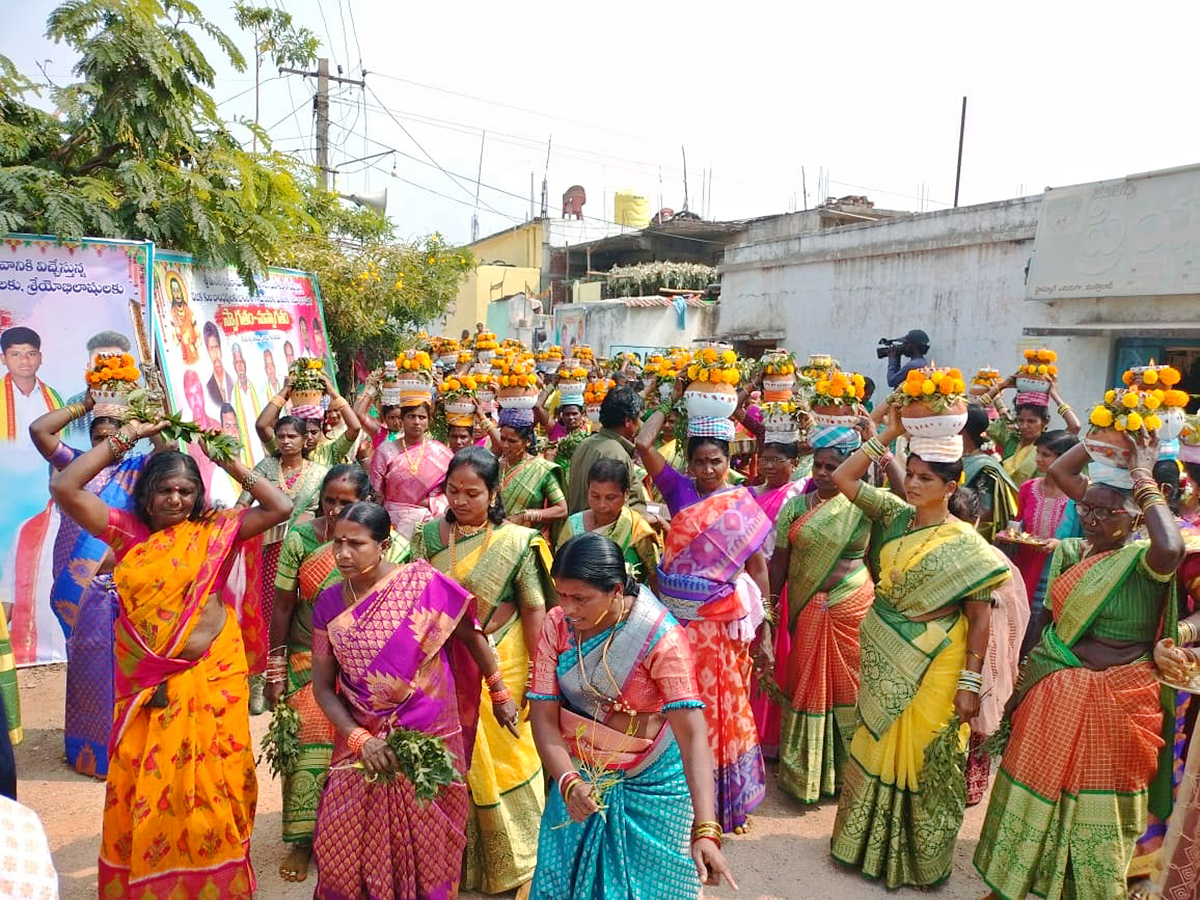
(957, 274)
(612, 322)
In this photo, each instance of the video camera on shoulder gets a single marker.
(887, 346)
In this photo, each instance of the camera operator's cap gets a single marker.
(916, 336)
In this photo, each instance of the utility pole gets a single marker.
(321, 109)
(962, 130)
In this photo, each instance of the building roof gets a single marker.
(694, 301)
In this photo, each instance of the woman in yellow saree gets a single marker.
(922, 647)
(181, 788)
(507, 568)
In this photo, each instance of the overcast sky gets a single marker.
(866, 93)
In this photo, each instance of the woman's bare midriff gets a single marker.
(843, 568)
(1102, 653)
(211, 620)
(504, 613)
(644, 725)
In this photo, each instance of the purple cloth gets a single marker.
(677, 489)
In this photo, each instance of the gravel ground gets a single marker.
(785, 855)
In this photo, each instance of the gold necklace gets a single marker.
(618, 703)
(290, 484)
(895, 572)
(467, 531)
(414, 467)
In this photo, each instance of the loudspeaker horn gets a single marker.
(376, 201)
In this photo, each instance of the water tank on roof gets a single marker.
(631, 209)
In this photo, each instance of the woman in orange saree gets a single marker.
(181, 789)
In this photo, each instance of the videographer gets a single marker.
(914, 345)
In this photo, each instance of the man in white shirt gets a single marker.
(23, 396)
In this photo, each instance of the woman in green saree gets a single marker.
(306, 567)
(983, 472)
(507, 568)
(530, 485)
(922, 647)
(1079, 771)
(609, 515)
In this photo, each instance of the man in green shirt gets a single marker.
(620, 419)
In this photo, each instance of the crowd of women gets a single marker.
(552, 656)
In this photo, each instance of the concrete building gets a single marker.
(1105, 273)
(634, 324)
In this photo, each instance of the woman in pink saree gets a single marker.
(394, 646)
(407, 473)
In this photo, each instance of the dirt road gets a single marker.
(786, 854)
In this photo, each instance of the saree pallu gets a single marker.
(998, 493)
(703, 583)
(398, 666)
(507, 789)
(11, 722)
(1070, 800)
(533, 483)
(181, 787)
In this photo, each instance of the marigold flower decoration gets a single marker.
(572, 373)
(779, 362)
(714, 366)
(306, 374)
(444, 346)
(584, 352)
(486, 340)
(414, 361)
(819, 366)
(1040, 362)
(837, 388)
(939, 388)
(114, 370)
(518, 374)
(986, 377)
(596, 391)
(1148, 389)
(457, 386)
(550, 353)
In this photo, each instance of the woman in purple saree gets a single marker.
(394, 646)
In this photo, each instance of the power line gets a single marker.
(345, 34)
(400, 124)
(532, 112)
(325, 22)
(354, 28)
(438, 193)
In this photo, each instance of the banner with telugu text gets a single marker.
(225, 350)
(60, 303)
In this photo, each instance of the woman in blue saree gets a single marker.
(618, 722)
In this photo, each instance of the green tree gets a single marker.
(136, 147)
(274, 37)
(376, 289)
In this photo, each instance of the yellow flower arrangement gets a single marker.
(778, 362)
(572, 373)
(116, 371)
(940, 389)
(819, 365)
(414, 361)
(1039, 362)
(837, 388)
(458, 386)
(1149, 390)
(714, 365)
(444, 346)
(464, 356)
(486, 340)
(986, 377)
(584, 352)
(596, 391)
(518, 374)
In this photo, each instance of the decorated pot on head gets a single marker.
(593, 395)
(1189, 440)
(712, 388)
(985, 379)
(1147, 399)
(485, 392)
(308, 387)
(572, 377)
(486, 346)
(780, 422)
(457, 394)
(414, 370)
(835, 398)
(518, 386)
(778, 375)
(113, 377)
(933, 403)
(1033, 377)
